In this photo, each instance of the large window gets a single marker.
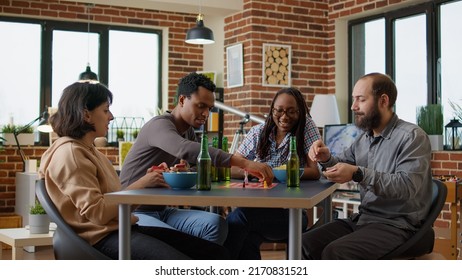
(40, 58)
(450, 60)
(420, 48)
(19, 72)
(71, 51)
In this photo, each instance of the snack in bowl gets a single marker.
(280, 173)
(180, 180)
(180, 167)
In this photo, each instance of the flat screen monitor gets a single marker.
(338, 137)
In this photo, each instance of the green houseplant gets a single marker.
(120, 135)
(135, 134)
(457, 110)
(430, 119)
(39, 222)
(26, 137)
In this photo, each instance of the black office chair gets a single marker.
(67, 245)
(422, 242)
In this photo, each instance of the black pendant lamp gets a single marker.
(88, 74)
(200, 35)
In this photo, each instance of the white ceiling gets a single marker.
(209, 7)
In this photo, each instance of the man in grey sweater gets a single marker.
(170, 138)
(391, 163)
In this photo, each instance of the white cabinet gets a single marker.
(25, 198)
(25, 194)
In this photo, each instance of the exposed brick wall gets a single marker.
(183, 58)
(308, 27)
(300, 24)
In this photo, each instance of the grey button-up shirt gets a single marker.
(397, 184)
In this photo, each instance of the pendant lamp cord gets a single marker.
(88, 35)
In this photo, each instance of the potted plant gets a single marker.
(39, 222)
(457, 110)
(2, 140)
(430, 119)
(135, 134)
(120, 135)
(26, 137)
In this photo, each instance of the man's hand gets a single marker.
(319, 152)
(340, 173)
(261, 170)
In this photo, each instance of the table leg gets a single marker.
(295, 234)
(327, 209)
(16, 253)
(1, 250)
(124, 232)
(453, 209)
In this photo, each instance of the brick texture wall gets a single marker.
(308, 27)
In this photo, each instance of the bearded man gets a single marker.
(390, 162)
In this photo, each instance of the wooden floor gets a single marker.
(46, 253)
(269, 251)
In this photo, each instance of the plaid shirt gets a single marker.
(278, 155)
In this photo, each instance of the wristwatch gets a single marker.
(358, 175)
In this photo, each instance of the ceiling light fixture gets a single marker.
(88, 74)
(200, 35)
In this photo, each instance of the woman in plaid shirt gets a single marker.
(269, 143)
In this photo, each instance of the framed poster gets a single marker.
(276, 65)
(234, 65)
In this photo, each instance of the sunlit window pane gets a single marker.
(368, 48)
(19, 72)
(133, 73)
(375, 46)
(410, 65)
(71, 53)
(451, 57)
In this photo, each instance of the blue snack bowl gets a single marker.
(281, 174)
(180, 180)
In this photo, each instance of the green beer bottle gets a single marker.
(215, 169)
(293, 165)
(226, 170)
(204, 166)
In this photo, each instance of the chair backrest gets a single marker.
(422, 241)
(67, 245)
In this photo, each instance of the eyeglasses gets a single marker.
(292, 113)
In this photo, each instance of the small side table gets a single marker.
(17, 238)
(448, 247)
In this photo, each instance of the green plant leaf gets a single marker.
(430, 119)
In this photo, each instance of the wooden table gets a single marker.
(17, 238)
(308, 195)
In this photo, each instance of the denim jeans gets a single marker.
(206, 225)
(248, 228)
(159, 243)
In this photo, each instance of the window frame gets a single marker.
(432, 12)
(48, 26)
